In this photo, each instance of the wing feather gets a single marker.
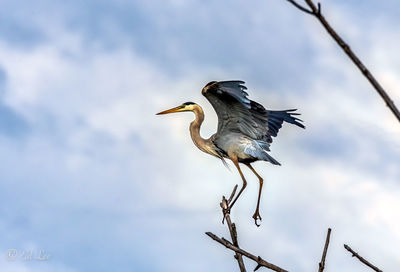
(237, 113)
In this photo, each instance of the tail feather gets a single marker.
(268, 157)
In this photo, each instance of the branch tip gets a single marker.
(361, 259)
(321, 264)
(300, 7)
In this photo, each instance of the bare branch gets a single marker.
(235, 245)
(316, 11)
(225, 204)
(322, 262)
(260, 261)
(232, 228)
(364, 261)
(300, 7)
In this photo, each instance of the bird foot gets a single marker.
(256, 217)
(226, 208)
(225, 212)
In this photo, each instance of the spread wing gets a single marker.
(237, 113)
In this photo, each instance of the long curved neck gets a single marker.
(195, 128)
(205, 145)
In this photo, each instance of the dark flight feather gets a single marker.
(236, 113)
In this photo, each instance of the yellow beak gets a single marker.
(176, 109)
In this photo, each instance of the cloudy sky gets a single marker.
(90, 176)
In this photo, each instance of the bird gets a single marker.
(245, 129)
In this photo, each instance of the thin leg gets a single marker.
(236, 163)
(256, 215)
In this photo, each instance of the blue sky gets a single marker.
(92, 177)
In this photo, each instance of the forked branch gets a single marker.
(260, 261)
(300, 7)
(234, 245)
(316, 12)
(232, 228)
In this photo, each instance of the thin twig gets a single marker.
(300, 7)
(322, 262)
(364, 261)
(260, 261)
(232, 194)
(232, 228)
(225, 204)
(316, 12)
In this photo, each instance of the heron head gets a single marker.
(187, 106)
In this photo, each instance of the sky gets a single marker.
(93, 179)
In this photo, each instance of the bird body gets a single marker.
(245, 128)
(246, 149)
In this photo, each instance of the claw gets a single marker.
(256, 216)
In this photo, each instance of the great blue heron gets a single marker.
(245, 128)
